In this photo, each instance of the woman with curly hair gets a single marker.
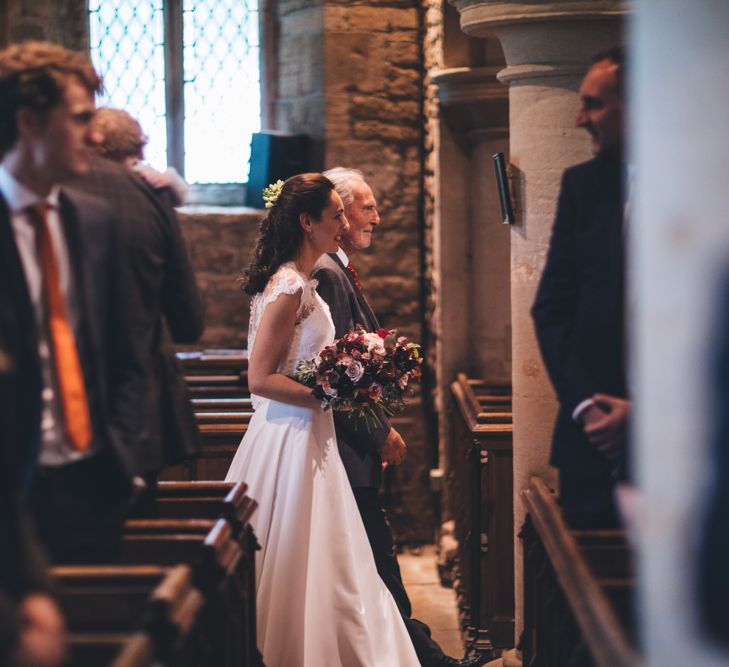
(320, 600)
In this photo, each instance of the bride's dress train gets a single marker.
(320, 601)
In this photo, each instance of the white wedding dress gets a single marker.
(320, 601)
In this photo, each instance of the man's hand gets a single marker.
(393, 450)
(605, 424)
(43, 632)
(157, 179)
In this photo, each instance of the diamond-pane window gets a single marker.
(136, 47)
(127, 49)
(222, 89)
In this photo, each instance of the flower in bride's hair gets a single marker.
(272, 192)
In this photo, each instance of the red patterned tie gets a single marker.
(353, 271)
(70, 377)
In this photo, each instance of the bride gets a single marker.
(320, 601)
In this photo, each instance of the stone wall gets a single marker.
(432, 62)
(300, 103)
(220, 242)
(61, 21)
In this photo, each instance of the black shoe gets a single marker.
(475, 660)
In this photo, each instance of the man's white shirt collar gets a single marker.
(343, 256)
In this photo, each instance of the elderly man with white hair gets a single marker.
(363, 452)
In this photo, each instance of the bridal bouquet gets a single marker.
(365, 374)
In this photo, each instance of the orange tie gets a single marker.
(65, 353)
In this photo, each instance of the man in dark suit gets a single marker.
(363, 452)
(579, 307)
(167, 308)
(711, 573)
(64, 309)
(31, 626)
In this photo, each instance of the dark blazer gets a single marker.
(578, 311)
(22, 564)
(111, 365)
(166, 307)
(359, 449)
(712, 574)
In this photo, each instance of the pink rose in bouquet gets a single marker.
(363, 373)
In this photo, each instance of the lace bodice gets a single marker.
(314, 328)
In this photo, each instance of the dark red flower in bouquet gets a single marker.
(363, 373)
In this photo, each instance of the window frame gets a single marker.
(173, 46)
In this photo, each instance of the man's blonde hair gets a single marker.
(122, 134)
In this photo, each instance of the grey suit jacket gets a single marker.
(166, 308)
(359, 449)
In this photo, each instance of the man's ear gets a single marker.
(305, 222)
(27, 120)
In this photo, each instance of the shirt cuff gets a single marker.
(581, 407)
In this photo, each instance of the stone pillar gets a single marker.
(471, 247)
(548, 47)
(679, 241)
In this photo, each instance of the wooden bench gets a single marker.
(577, 590)
(216, 373)
(218, 384)
(222, 571)
(480, 492)
(108, 607)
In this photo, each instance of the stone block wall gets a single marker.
(300, 104)
(220, 242)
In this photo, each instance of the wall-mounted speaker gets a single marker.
(274, 155)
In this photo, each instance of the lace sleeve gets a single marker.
(285, 281)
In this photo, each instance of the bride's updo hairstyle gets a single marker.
(280, 235)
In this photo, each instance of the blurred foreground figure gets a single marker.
(31, 627)
(121, 139)
(167, 308)
(713, 572)
(578, 311)
(76, 400)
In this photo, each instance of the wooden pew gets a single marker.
(216, 373)
(223, 571)
(108, 607)
(577, 590)
(480, 491)
(218, 384)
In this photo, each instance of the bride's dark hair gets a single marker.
(280, 235)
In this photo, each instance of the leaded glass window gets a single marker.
(189, 71)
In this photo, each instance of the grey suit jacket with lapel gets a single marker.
(109, 357)
(359, 449)
(166, 308)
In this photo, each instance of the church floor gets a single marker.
(432, 603)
